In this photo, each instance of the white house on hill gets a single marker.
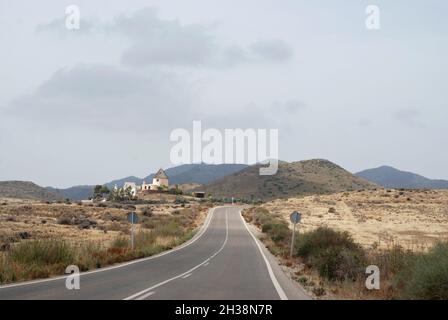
(160, 179)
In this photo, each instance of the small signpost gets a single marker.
(295, 218)
(132, 218)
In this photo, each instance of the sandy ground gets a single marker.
(410, 218)
(27, 219)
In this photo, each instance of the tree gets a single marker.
(99, 191)
(120, 194)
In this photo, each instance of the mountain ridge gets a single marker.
(390, 177)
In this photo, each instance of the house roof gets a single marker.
(161, 174)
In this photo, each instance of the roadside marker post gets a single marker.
(132, 218)
(295, 218)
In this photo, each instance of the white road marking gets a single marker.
(206, 264)
(274, 280)
(143, 297)
(187, 272)
(186, 244)
(186, 276)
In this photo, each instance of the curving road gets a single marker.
(223, 261)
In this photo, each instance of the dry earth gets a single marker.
(414, 219)
(29, 219)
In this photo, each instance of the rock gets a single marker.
(86, 224)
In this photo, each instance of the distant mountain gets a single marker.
(184, 174)
(120, 182)
(26, 190)
(74, 193)
(297, 178)
(201, 173)
(390, 177)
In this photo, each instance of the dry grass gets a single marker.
(378, 218)
(38, 240)
(330, 264)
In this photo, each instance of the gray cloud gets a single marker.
(57, 26)
(106, 97)
(272, 50)
(159, 42)
(408, 116)
(165, 42)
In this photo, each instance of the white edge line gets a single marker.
(146, 295)
(274, 280)
(186, 244)
(186, 272)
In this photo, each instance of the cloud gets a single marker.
(168, 42)
(272, 50)
(279, 114)
(159, 42)
(107, 98)
(58, 26)
(408, 116)
(288, 106)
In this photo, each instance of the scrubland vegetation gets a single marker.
(330, 263)
(33, 257)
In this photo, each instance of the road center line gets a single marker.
(187, 272)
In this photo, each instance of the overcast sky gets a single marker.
(88, 106)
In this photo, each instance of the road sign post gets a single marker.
(132, 218)
(295, 218)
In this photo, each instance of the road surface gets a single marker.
(223, 261)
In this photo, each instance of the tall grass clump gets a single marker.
(42, 252)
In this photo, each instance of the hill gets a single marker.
(26, 190)
(390, 177)
(297, 178)
(74, 193)
(200, 173)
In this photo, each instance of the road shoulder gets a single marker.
(292, 289)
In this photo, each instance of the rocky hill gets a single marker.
(26, 190)
(315, 176)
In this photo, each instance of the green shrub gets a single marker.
(426, 277)
(279, 232)
(334, 254)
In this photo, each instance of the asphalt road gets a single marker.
(223, 261)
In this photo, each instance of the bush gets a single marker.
(334, 254)
(426, 277)
(65, 219)
(279, 232)
(147, 212)
(180, 200)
